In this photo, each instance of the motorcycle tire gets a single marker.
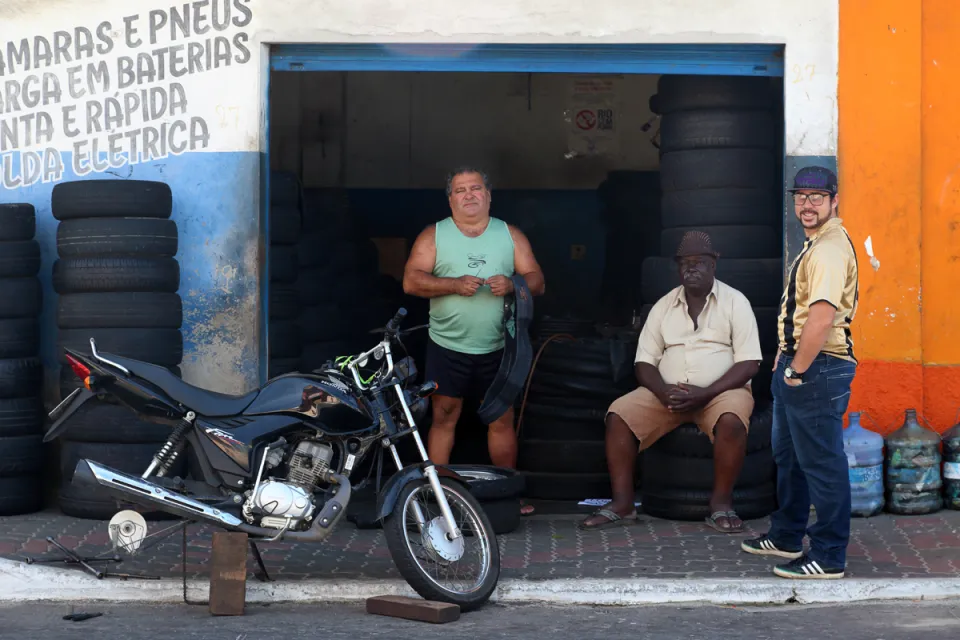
(406, 563)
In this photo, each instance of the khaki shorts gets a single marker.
(649, 420)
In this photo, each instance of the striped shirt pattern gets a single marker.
(826, 270)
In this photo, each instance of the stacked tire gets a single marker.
(719, 155)
(284, 301)
(117, 280)
(339, 284)
(21, 378)
(562, 452)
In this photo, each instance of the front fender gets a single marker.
(390, 492)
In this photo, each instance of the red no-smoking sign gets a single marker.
(586, 119)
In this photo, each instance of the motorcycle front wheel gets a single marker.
(463, 571)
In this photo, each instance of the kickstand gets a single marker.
(261, 575)
(72, 558)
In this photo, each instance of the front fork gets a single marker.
(430, 472)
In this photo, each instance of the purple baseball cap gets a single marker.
(815, 178)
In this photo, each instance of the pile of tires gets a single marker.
(718, 169)
(117, 279)
(284, 299)
(562, 453)
(678, 473)
(339, 282)
(21, 377)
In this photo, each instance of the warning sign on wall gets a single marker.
(591, 116)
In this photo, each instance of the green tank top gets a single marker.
(471, 324)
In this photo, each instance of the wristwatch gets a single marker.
(792, 374)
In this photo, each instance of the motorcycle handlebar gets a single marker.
(394, 324)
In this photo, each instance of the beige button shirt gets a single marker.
(726, 334)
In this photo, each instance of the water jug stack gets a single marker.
(951, 467)
(864, 451)
(913, 469)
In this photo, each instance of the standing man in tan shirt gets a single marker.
(811, 389)
(697, 352)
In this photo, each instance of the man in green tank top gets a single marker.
(463, 264)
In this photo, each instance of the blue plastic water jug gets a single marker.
(913, 469)
(951, 468)
(864, 450)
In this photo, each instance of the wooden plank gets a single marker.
(228, 574)
(413, 609)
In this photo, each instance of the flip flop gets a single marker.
(730, 515)
(613, 519)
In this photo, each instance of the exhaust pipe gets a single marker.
(149, 494)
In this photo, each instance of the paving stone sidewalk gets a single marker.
(544, 547)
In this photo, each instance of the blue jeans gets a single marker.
(811, 464)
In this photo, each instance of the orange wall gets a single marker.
(898, 148)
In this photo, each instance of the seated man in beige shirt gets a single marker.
(697, 352)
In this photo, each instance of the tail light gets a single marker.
(80, 370)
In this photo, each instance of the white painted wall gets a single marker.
(407, 130)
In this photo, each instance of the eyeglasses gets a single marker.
(816, 199)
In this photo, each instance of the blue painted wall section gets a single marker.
(216, 208)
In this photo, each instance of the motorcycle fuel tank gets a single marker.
(322, 398)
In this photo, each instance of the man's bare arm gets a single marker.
(525, 263)
(418, 279)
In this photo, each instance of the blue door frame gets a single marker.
(650, 59)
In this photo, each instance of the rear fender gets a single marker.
(65, 410)
(390, 493)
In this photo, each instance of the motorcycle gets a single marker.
(276, 462)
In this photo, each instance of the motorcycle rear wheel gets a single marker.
(407, 544)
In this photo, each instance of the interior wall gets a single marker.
(407, 130)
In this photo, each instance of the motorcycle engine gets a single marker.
(281, 501)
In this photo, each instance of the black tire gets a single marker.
(327, 322)
(689, 442)
(490, 483)
(21, 416)
(112, 237)
(729, 241)
(21, 455)
(567, 486)
(21, 297)
(546, 422)
(19, 259)
(284, 339)
(598, 390)
(552, 456)
(577, 327)
(717, 169)
(284, 225)
(115, 275)
(284, 303)
(18, 222)
(394, 532)
(504, 515)
(103, 423)
(717, 128)
(111, 199)
(767, 327)
(707, 207)
(93, 503)
(280, 366)
(284, 189)
(120, 310)
(315, 354)
(20, 378)
(760, 280)
(680, 504)
(664, 471)
(686, 92)
(21, 495)
(283, 263)
(156, 346)
(19, 338)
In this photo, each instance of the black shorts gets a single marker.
(461, 375)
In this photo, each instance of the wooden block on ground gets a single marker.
(413, 609)
(228, 574)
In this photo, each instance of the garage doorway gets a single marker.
(603, 156)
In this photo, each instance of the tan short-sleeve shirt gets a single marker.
(726, 334)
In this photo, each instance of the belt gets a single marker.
(517, 354)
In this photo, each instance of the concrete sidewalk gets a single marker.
(547, 560)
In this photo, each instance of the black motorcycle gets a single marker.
(276, 462)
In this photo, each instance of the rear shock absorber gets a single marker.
(171, 448)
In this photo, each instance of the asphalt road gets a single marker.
(902, 621)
